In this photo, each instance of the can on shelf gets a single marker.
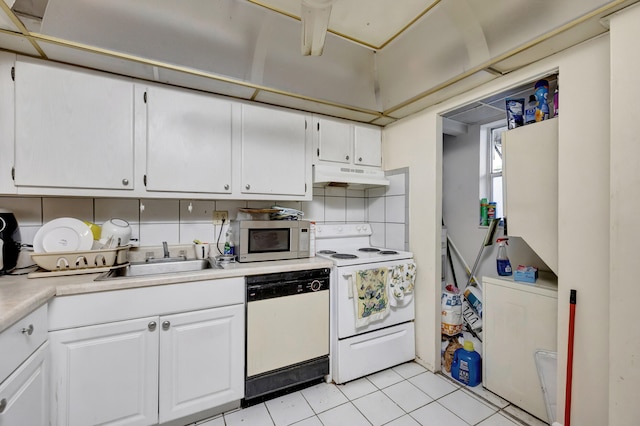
(491, 210)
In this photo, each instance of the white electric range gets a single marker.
(360, 349)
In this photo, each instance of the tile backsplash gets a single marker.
(181, 221)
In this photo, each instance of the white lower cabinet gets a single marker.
(24, 394)
(147, 370)
(105, 374)
(201, 360)
(519, 320)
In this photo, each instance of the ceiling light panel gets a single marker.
(369, 22)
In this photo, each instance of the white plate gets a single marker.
(63, 234)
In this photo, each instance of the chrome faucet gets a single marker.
(165, 248)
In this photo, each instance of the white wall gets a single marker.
(416, 143)
(624, 343)
(583, 234)
(583, 179)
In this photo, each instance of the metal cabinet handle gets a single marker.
(152, 325)
(166, 325)
(28, 330)
(247, 186)
(359, 158)
(3, 405)
(226, 186)
(125, 182)
(346, 157)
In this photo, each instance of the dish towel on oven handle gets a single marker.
(368, 287)
(402, 279)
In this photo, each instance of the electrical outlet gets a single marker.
(219, 216)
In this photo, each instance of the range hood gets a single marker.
(349, 176)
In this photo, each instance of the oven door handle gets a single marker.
(349, 278)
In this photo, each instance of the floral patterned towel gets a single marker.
(370, 291)
(402, 279)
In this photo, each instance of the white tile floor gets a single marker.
(405, 395)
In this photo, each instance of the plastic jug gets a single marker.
(467, 365)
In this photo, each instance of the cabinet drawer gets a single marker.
(119, 305)
(20, 340)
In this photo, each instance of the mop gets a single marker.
(472, 320)
(488, 240)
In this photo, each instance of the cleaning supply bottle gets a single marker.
(542, 94)
(484, 212)
(467, 365)
(228, 243)
(502, 260)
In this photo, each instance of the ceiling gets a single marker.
(380, 61)
(371, 23)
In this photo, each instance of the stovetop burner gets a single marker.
(326, 252)
(388, 252)
(344, 256)
(368, 249)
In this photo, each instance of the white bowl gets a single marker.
(118, 229)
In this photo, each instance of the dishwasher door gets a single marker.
(286, 330)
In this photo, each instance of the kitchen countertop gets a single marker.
(20, 295)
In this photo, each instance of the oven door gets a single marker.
(400, 309)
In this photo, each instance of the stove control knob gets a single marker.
(315, 285)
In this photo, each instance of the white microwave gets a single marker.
(260, 240)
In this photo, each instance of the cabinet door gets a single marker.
(73, 129)
(334, 140)
(516, 324)
(188, 142)
(24, 396)
(531, 187)
(367, 146)
(201, 360)
(274, 152)
(105, 374)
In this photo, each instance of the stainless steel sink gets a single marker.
(157, 267)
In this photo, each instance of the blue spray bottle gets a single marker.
(502, 260)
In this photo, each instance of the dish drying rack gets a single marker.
(80, 262)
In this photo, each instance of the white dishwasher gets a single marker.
(287, 332)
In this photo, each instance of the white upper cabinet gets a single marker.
(334, 140)
(73, 129)
(188, 142)
(367, 146)
(531, 187)
(274, 152)
(340, 141)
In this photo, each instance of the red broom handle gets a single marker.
(572, 317)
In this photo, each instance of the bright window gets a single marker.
(491, 164)
(496, 169)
